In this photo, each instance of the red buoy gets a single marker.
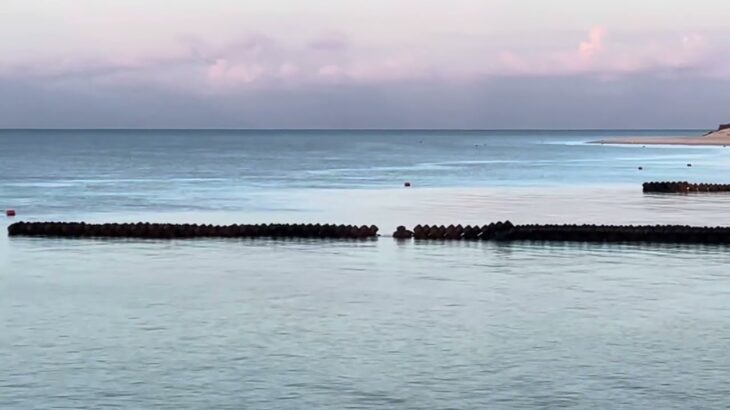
(10, 212)
(407, 184)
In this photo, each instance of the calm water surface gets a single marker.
(296, 324)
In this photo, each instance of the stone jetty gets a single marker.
(181, 231)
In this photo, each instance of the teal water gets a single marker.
(374, 324)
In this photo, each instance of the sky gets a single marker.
(487, 64)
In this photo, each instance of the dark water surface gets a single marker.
(292, 324)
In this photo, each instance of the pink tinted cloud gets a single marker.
(223, 72)
(288, 70)
(264, 62)
(331, 72)
(331, 57)
(594, 45)
(600, 56)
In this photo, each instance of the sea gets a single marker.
(359, 324)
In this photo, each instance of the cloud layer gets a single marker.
(393, 53)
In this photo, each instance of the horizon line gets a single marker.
(340, 129)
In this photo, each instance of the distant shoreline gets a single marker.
(713, 139)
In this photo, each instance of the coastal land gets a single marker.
(721, 137)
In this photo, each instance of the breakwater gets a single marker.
(499, 231)
(506, 231)
(682, 187)
(173, 231)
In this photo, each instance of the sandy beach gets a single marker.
(717, 138)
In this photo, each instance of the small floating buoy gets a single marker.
(407, 185)
(10, 212)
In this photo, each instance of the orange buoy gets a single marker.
(10, 212)
(407, 185)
